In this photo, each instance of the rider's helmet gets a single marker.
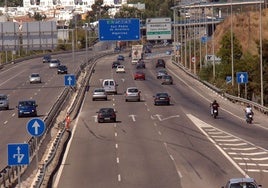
(214, 101)
(248, 106)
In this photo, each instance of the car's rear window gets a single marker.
(3, 98)
(162, 95)
(133, 90)
(99, 90)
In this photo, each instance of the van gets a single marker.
(110, 86)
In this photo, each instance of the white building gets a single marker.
(53, 3)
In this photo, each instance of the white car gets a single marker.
(132, 94)
(35, 78)
(54, 63)
(120, 69)
(99, 93)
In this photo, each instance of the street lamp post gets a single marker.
(232, 44)
(261, 71)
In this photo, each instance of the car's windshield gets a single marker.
(26, 103)
(243, 185)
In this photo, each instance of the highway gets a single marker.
(174, 146)
(14, 81)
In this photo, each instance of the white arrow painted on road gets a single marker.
(95, 117)
(158, 116)
(170, 117)
(132, 116)
(36, 126)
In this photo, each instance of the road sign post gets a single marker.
(36, 127)
(18, 154)
(242, 78)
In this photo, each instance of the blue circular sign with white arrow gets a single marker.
(36, 127)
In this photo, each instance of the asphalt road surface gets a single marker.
(174, 146)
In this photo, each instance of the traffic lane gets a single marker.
(17, 86)
(165, 114)
(197, 160)
(234, 126)
(91, 161)
(142, 157)
(231, 115)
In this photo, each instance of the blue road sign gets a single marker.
(69, 80)
(204, 39)
(242, 77)
(36, 127)
(119, 29)
(228, 79)
(18, 154)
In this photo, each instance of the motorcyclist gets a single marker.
(248, 110)
(214, 105)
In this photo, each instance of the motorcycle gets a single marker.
(214, 112)
(249, 118)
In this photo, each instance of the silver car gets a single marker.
(242, 182)
(99, 94)
(4, 102)
(132, 94)
(35, 78)
(54, 63)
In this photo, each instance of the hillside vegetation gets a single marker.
(246, 28)
(246, 42)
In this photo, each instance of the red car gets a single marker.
(139, 75)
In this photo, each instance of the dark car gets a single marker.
(160, 63)
(106, 115)
(139, 75)
(46, 58)
(115, 64)
(167, 79)
(117, 49)
(62, 69)
(140, 65)
(162, 99)
(27, 108)
(147, 50)
(120, 58)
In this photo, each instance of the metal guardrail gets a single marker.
(232, 98)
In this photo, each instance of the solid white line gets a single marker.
(253, 164)
(256, 153)
(239, 144)
(119, 177)
(227, 140)
(223, 136)
(56, 182)
(241, 149)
